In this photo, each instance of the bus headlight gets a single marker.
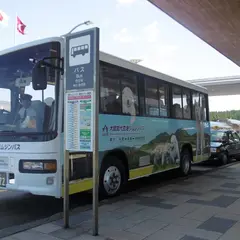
(37, 166)
(32, 165)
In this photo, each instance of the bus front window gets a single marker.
(5, 104)
(27, 113)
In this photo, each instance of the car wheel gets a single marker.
(237, 158)
(185, 163)
(112, 176)
(224, 158)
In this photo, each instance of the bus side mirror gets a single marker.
(39, 76)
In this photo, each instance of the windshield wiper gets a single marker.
(7, 131)
(27, 134)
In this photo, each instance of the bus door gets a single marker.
(199, 127)
(202, 126)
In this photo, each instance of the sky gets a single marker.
(130, 29)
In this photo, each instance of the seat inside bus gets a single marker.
(39, 107)
(177, 110)
(49, 123)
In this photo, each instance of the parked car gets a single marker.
(225, 145)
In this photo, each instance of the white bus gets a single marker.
(148, 122)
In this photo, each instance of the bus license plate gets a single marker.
(3, 179)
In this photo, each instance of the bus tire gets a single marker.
(185, 162)
(112, 176)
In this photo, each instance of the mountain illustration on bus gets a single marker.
(79, 50)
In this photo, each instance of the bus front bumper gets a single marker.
(22, 175)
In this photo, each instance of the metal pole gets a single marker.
(80, 24)
(66, 189)
(14, 33)
(66, 152)
(95, 144)
(95, 192)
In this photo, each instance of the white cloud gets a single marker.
(124, 36)
(105, 23)
(126, 1)
(151, 32)
(221, 103)
(166, 50)
(159, 58)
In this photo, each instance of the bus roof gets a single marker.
(108, 58)
(31, 44)
(105, 57)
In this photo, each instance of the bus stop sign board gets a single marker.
(81, 77)
(81, 55)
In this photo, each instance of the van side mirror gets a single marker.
(224, 139)
(39, 76)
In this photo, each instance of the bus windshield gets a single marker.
(26, 114)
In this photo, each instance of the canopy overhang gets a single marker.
(220, 86)
(217, 22)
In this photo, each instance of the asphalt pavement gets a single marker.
(202, 207)
(22, 208)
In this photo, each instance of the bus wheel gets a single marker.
(112, 176)
(185, 163)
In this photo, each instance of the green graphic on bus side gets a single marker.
(153, 141)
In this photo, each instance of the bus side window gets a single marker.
(177, 102)
(186, 104)
(141, 89)
(195, 104)
(204, 107)
(151, 97)
(163, 100)
(129, 93)
(110, 100)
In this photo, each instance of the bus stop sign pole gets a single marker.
(81, 98)
(66, 189)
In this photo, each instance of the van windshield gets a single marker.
(217, 136)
